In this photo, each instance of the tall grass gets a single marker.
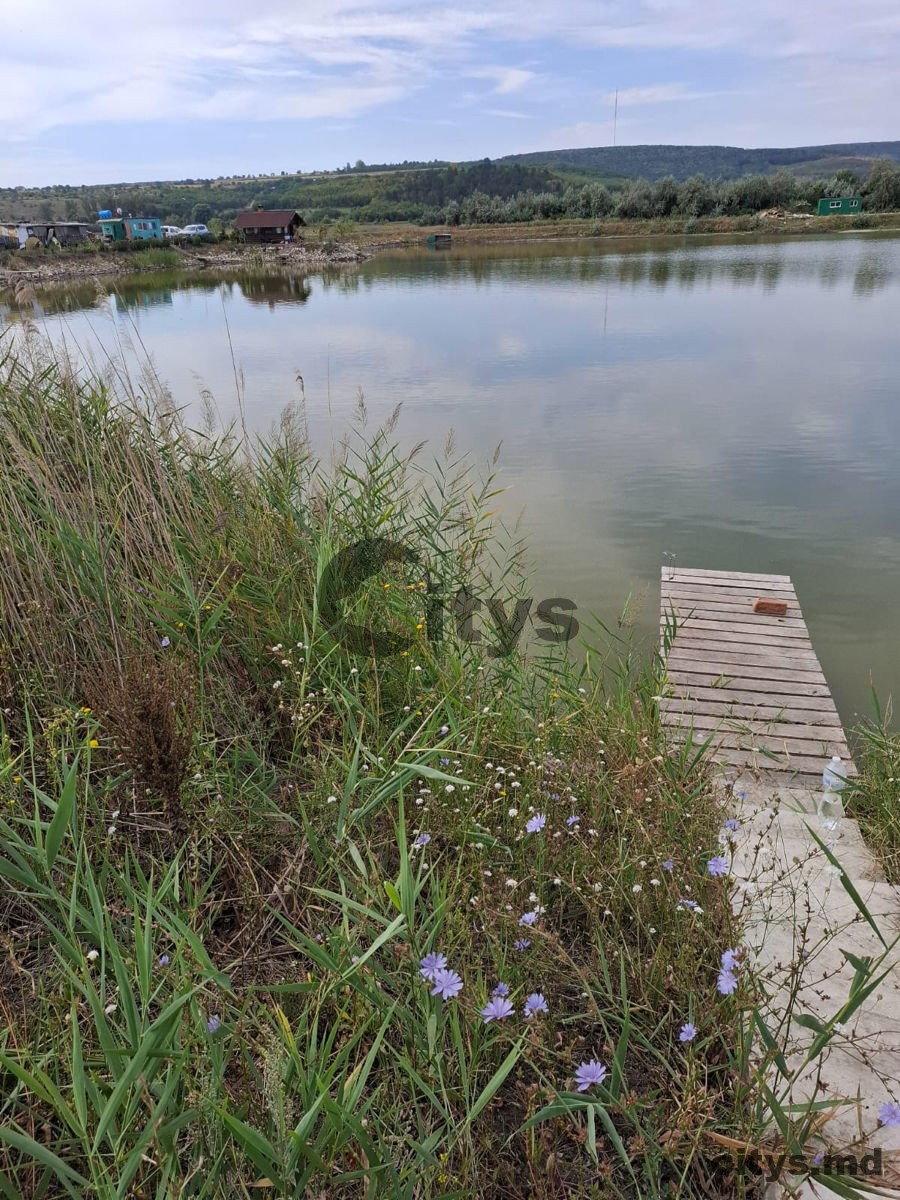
(228, 841)
(159, 256)
(874, 800)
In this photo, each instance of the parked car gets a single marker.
(195, 231)
(170, 231)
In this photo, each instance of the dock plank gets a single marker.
(745, 687)
(692, 657)
(751, 684)
(722, 593)
(734, 624)
(741, 579)
(792, 649)
(768, 734)
(749, 712)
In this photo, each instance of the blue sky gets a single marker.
(169, 90)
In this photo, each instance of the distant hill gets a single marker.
(716, 162)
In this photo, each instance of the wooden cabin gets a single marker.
(269, 225)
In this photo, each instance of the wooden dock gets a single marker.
(748, 680)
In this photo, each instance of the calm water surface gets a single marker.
(736, 405)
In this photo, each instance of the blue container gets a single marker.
(105, 214)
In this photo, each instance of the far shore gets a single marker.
(36, 268)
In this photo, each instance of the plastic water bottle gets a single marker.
(831, 807)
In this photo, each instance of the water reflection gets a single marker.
(275, 289)
(661, 263)
(152, 289)
(129, 300)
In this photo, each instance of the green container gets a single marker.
(839, 204)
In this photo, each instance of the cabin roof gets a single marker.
(268, 218)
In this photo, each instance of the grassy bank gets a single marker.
(237, 825)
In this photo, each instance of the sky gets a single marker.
(172, 90)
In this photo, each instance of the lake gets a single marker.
(734, 404)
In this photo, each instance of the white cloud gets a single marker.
(506, 79)
(812, 70)
(659, 93)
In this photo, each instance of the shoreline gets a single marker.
(66, 266)
(63, 266)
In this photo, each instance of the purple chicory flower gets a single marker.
(163, 960)
(732, 825)
(165, 643)
(536, 1003)
(445, 729)
(528, 918)
(502, 989)
(718, 866)
(730, 959)
(668, 865)
(447, 984)
(536, 823)
(431, 964)
(521, 944)
(589, 1074)
(688, 1032)
(889, 1114)
(573, 820)
(496, 1009)
(213, 1023)
(422, 840)
(727, 982)
(691, 904)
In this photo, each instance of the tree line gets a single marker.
(397, 195)
(487, 192)
(642, 199)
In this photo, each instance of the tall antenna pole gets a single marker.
(615, 116)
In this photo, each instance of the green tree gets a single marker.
(665, 197)
(882, 188)
(201, 213)
(636, 200)
(842, 183)
(697, 196)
